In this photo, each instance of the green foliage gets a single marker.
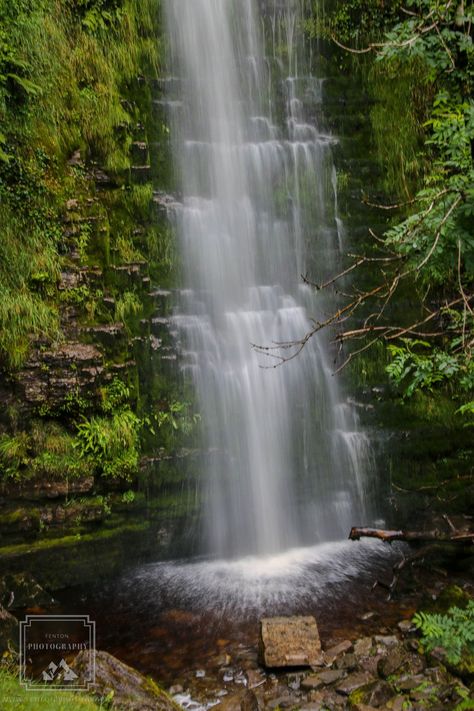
(128, 497)
(111, 443)
(13, 454)
(66, 67)
(127, 306)
(352, 21)
(417, 366)
(46, 450)
(422, 72)
(177, 417)
(115, 396)
(454, 632)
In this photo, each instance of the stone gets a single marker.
(363, 647)
(254, 678)
(131, 690)
(330, 655)
(366, 616)
(386, 640)
(244, 700)
(8, 630)
(406, 626)
(354, 682)
(392, 662)
(290, 642)
(315, 681)
(398, 703)
(176, 689)
(348, 662)
(282, 702)
(363, 707)
(379, 694)
(409, 682)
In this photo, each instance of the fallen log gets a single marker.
(426, 542)
(436, 536)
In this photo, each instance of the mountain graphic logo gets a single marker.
(54, 670)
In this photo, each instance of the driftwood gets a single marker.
(435, 536)
(428, 542)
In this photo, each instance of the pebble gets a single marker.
(200, 674)
(363, 647)
(176, 689)
(386, 640)
(406, 626)
(367, 616)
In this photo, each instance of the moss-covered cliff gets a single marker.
(93, 412)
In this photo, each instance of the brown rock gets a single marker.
(244, 700)
(254, 678)
(398, 703)
(363, 647)
(348, 662)
(363, 707)
(386, 640)
(354, 682)
(392, 662)
(330, 655)
(315, 681)
(290, 642)
(409, 682)
(131, 690)
(379, 694)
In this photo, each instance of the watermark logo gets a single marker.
(49, 645)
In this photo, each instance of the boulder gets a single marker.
(290, 642)
(8, 630)
(130, 690)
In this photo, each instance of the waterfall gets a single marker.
(288, 464)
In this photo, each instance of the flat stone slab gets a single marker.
(290, 642)
(330, 655)
(315, 681)
(354, 682)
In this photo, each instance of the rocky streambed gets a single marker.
(380, 671)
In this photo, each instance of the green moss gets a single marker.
(72, 541)
(15, 698)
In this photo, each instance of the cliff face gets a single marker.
(93, 411)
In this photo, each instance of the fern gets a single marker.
(453, 631)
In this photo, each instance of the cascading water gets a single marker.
(258, 187)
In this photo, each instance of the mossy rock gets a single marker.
(126, 686)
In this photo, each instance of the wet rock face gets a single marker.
(51, 376)
(131, 690)
(290, 642)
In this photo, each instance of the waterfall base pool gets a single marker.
(179, 621)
